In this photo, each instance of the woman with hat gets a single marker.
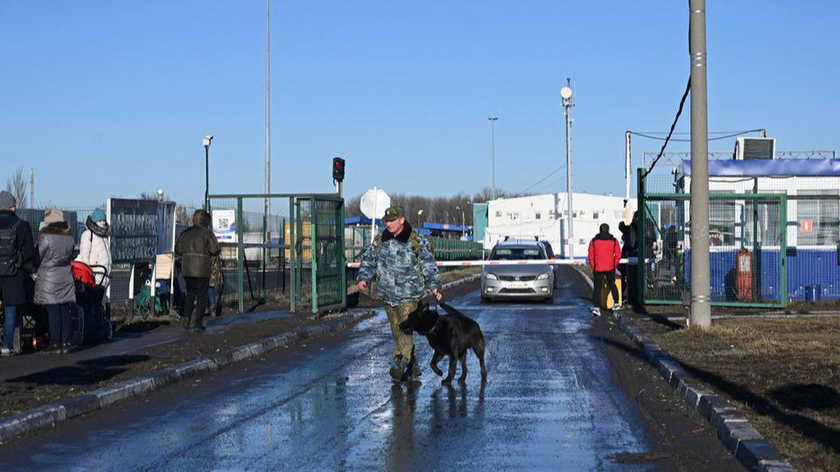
(54, 288)
(95, 246)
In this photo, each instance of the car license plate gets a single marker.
(516, 285)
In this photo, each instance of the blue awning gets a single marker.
(447, 227)
(778, 168)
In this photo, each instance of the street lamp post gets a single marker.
(463, 223)
(568, 103)
(493, 120)
(207, 140)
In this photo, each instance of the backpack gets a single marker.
(10, 257)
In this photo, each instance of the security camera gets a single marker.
(208, 139)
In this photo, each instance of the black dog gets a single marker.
(449, 336)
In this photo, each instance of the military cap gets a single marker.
(393, 213)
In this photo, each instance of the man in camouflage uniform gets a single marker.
(402, 262)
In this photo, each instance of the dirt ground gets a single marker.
(782, 373)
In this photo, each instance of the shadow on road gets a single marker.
(85, 372)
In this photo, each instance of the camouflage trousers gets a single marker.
(403, 343)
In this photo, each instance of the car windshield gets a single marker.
(515, 254)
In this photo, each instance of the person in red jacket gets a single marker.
(604, 254)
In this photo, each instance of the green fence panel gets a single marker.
(748, 248)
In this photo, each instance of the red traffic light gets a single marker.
(338, 169)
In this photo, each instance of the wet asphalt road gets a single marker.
(549, 404)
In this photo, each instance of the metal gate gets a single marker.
(257, 251)
(748, 249)
(318, 275)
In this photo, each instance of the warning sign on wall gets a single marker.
(806, 226)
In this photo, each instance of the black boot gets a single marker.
(398, 369)
(414, 371)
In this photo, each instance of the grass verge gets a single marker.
(783, 374)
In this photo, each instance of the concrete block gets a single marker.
(193, 367)
(775, 466)
(694, 394)
(752, 451)
(240, 353)
(733, 432)
(720, 416)
(31, 420)
(257, 348)
(668, 367)
(80, 405)
(652, 351)
(676, 379)
(710, 402)
(222, 358)
(682, 387)
(123, 390)
(165, 377)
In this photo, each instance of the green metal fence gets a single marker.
(445, 249)
(455, 250)
(748, 248)
(266, 253)
(318, 272)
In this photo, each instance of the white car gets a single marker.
(525, 281)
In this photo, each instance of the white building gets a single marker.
(545, 216)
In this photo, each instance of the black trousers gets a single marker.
(196, 295)
(59, 321)
(599, 282)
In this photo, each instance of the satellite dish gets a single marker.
(374, 203)
(566, 93)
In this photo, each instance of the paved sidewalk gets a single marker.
(125, 343)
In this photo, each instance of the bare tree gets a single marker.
(352, 206)
(149, 196)
(17, 186)
(434, 209)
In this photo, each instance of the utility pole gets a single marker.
(568, 103)
(31, 187)
(700, 314)
(267, 217)
(267, 112)
(493, 120)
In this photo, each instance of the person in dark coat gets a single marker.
(197, 246)
(629, 248)
(17, 261)
(54, 287)
(604, 254)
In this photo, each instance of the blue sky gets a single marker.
(109, 98)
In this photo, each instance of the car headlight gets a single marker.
(491, 276)
(543, 276)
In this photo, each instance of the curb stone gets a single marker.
(62, 410)
(746, 444)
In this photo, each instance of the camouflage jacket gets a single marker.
(403, 273)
